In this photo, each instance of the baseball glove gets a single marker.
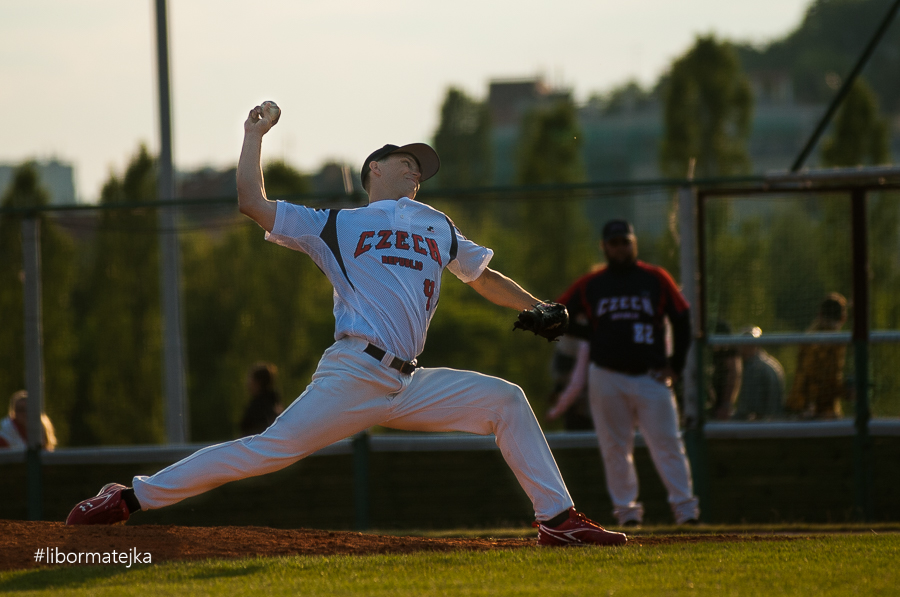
(549, 320)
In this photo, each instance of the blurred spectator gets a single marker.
(819, 381)
(14, 427)
(725, 380)
(762, 382)
(578, 416)
(265, 402)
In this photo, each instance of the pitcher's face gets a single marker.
(400, 174)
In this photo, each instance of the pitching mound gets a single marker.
(20, 541)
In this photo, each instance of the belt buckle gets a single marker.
(402, 366)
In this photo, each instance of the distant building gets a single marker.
(623, 144)
(206, 183)
(335, 179)
(55, 176)
(509, 100)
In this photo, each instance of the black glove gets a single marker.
(550, 320)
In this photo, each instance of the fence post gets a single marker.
(689, 225)
(34, 361)
(174, 384)
(863, 442)
(361, 480)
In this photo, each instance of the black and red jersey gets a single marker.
(622, 311)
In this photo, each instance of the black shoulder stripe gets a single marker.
(329, 235)
(454, 245)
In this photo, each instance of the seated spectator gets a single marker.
(14, 427)
(762, 382)
(265, 402)
(819, 381)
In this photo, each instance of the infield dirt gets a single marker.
(19, 540)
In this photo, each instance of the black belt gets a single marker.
(632, 370)
(398, 364)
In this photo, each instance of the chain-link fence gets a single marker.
(766, 262)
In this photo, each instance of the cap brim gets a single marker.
(429, 162)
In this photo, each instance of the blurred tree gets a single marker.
(119, 391)
(707, 110)
(549, 150)
(556, 246)
(707, 113)
(248, 300)
(860, 138)
(57, 277)
(544, 243)
(627, 98)
(284, 181)
(463, 140)
(860, 135)
(824, 47)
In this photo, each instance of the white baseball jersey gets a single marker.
(411, 242)
(385, 262)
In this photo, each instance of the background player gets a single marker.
(385, 262)
(619, 311)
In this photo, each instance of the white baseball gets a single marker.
(271, 111)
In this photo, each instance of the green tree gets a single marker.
(248, 300)
(623, 99)
(549, 148)
(119, 392)
(824, 48)
(463, 140)
(860, 138)
(283, 180)
(57, 277)
(860, 135)
(552, 247)
(708, 107)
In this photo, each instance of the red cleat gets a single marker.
(107, 507)
(578, 530)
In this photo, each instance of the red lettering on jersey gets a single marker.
(385, 242)
(429, 292)
(435, 251)
(400, 241)
(361, 247)
(416, 246)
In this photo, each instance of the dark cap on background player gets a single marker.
(429, 162)
(616, 228)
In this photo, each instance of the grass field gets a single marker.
(804, 564)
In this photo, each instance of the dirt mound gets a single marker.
(21, 540)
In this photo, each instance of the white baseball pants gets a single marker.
(351, 391)
(619, 403)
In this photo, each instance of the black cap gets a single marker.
(615, 228)
(429, 162)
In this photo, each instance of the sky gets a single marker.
(78, 79)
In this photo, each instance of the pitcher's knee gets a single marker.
(510, 397)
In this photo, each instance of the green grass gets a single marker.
(819, 565)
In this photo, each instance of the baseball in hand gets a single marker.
(271, 111)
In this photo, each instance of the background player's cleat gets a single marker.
(107, 507)
(578, 530)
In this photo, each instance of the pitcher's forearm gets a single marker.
(503, 291)
(251, 188)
